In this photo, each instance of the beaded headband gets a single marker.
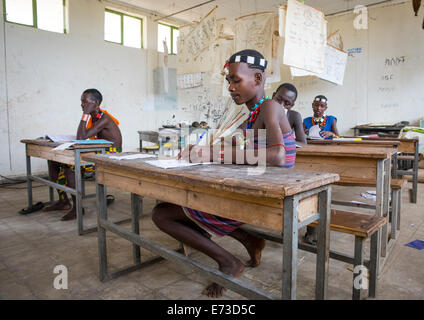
(321, 100)
(250, 60)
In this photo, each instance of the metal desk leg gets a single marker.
(374, 257)
(386, 193)
(136, 208)
(290, 243)
(358, 261)
(395, 213)
(379, 205)
(29, 181)
(51, 194)
(78, 188)
(415, 176)
(101, 232)
(323, 244)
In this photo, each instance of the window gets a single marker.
(123, 29)
(170, 35)
(47, 15)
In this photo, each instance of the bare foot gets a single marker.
(59, 205)
(214, 290)
(254, 246)
(71, 215)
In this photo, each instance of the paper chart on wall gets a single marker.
(257, 31)
(305, 37)
(193, 45)
(334, 67)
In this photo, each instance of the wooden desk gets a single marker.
(266, 200)
(386, 130)
(361, 143)
(43, 149)
(406, 146)
(354, 163)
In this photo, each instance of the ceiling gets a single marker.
(236, 8)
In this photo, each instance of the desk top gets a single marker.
(345, 151)
(382, 143)
(274, 183)
(48, 143)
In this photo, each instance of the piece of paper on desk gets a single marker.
(63, 146)
(173, 163)
(60, 137)
(133, 156)
(314, 133)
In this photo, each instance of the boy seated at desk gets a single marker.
(95, 124)
(320, 125)
(246, 77)
(286, 96)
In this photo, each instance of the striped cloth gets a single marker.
(222, 226)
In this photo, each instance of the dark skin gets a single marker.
(319, 109)
(287, 99)
(105, 128)
(246, 86)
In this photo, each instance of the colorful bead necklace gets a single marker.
(321, 122)
(255, 111)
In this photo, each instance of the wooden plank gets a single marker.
(45, 152)
(361, 143)
(48, 143)
(224, 205)
(345, 151)
(344, 167)
(273, 182)
(361, 225)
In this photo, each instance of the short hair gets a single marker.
(320, 98)
(251, 53)
(95, 94)
(289, 87)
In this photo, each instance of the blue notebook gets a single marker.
(98, 141)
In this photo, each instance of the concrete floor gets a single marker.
(31, 246)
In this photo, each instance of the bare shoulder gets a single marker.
(272, 108)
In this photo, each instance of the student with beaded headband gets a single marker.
(326, 124)
(246, 77)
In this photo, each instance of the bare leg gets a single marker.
(311, 235)
(254, 246)
(63, 203)
(171, 219)
(70, 177)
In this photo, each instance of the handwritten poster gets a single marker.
(202, 35)
(257, 31)
(305, 37)
(334, 67)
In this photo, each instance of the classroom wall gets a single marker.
(384, 83)
(47, 72)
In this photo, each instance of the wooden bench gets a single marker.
(362, 226)
(396, 186)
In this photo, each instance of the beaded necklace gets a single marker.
(255, 111)
(321, 122)
(98, 116)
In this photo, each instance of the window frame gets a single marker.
(122, 14)
(172, 36)
(35, 17)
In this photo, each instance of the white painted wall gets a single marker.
(47, 72)
(365, 97)
(4, 141)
